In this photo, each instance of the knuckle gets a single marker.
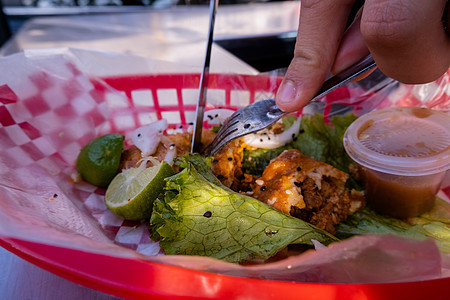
(313, 58)
(324, 5)
(389, 24)
(310, 4)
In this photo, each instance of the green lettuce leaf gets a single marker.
(200, 216)
(216, 128)
(288, 121)
(255, 161)
(439, 213)
(434, 224)
(323, 141)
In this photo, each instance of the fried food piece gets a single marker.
(311, 190)
(227, 166)
(181, 141)
(129, 158)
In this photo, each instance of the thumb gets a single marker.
(321, 27)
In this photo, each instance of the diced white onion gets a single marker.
(147, 137)
(170, 155)
(171, 150)
(268, 140)
(317, 177)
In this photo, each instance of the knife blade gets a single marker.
(204, 79)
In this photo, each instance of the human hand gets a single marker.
(407, 39)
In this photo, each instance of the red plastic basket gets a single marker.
(137, 279)
(173, 96)
(233, 90)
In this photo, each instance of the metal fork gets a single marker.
(264, 113)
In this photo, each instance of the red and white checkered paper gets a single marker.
(47, 113)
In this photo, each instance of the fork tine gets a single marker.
(226, 129)
(217, 144)
(224, 136)
(217, 147)
(228, 124)
(243, 121)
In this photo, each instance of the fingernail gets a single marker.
(286, 93)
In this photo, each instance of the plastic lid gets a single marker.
(401, 140)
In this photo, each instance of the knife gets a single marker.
(204, 79)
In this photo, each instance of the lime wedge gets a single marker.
(132, 192)
(98, 161)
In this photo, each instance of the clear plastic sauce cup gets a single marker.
(405, 153)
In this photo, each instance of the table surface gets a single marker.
(20, 279)
(175, 35)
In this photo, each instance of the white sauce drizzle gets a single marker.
(268, 140)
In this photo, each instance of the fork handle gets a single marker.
(346, 76)
(333, 83)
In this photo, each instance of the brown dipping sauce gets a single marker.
(405, 152)
(401, 196)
